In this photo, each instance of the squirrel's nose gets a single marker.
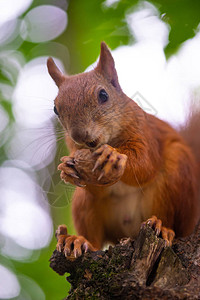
(79, 136)
(82, 137)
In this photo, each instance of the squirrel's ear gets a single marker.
(54, 72)
(106, 66)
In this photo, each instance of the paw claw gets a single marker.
(79, 184)
(149, 222)
(142, 225)
(101, 175)
(97, 164)
(59, 248)
(85, 247)
(74, 176)
(166, 244)
(76, 253)
(157, 232)
(67, 252)
(70, 163)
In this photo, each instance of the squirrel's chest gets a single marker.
(124, 213)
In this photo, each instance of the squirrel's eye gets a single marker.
(55, 110)
(103, 96)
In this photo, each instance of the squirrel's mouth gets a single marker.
(92, 144)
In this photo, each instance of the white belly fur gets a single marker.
(125, 209)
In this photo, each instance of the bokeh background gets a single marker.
(156, 46)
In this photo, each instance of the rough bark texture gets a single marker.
(140, 269)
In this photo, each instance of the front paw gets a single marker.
(110, 163)
(71, 245)
(69, 172)
(105, 166)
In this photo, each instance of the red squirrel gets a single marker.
(129, 166)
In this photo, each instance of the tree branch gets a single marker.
(140, 269)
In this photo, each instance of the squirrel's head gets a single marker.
(89, 104)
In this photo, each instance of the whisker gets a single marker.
(38, 97)
(138, 182)
(46, 150)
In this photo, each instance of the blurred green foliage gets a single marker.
(183, 17)
(89, 22)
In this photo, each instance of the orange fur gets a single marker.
(160, 176)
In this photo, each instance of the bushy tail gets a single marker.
(191, 134)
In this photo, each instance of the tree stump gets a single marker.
(136, 269)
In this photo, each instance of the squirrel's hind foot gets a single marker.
(166, 233)
(71, 245)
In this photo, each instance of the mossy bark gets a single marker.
(140, 269)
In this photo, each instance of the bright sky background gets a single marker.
(167, 85)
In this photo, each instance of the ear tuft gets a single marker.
(106, 66)
(54, 72)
